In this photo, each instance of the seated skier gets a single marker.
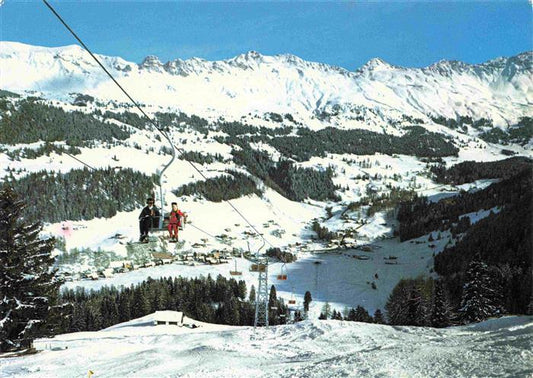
(175, 220)
(148, 218)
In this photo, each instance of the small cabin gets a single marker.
(168, 318)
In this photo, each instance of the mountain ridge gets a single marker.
(500, 89)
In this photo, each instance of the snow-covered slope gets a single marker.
(497, 347)
(500, 89)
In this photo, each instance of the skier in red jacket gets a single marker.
(175, 220)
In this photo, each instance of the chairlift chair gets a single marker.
(282, 276)
(235, 272)
(292, 300)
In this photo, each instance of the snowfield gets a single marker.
(497, 347)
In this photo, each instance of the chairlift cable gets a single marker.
(75, 158)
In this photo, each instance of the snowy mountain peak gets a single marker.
(376, 64)
(249, 60)
(448, 67)
(376, 94)
(151, 62)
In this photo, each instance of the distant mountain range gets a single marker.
(254, 84)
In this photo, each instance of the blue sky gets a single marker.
(346, 34)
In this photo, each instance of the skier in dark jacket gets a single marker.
(149, 218)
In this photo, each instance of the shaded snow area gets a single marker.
(497, 347)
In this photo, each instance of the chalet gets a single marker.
(117, 266)
(211, 260)
(162, 258)
(168, 318)
(107, 273)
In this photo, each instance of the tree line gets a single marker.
(357, 314)
(421, 216)
(46, 149)
(220, 301)
(221, 188)
(81, 194)
(416, 141)
(521, 133)
(30, 120)
(204, 299)
(292, 182)
(485, 291)
(470, 171)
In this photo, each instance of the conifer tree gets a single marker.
(396, 304)
(230, 311)
(30, 288)
(362, 315)
(252, 294)
(478, 299)
(326, 310)
(307, 300)
(351, 315)
(141, 304)
(440, 313)
(272, 297)
(378, 317)
(414, 308)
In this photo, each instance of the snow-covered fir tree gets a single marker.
(478, 301)
(415, 308)
(440, 312)
(28, 304)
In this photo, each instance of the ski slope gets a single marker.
(497, 347)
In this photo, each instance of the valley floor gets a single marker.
(498, 347)
(343, 278)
